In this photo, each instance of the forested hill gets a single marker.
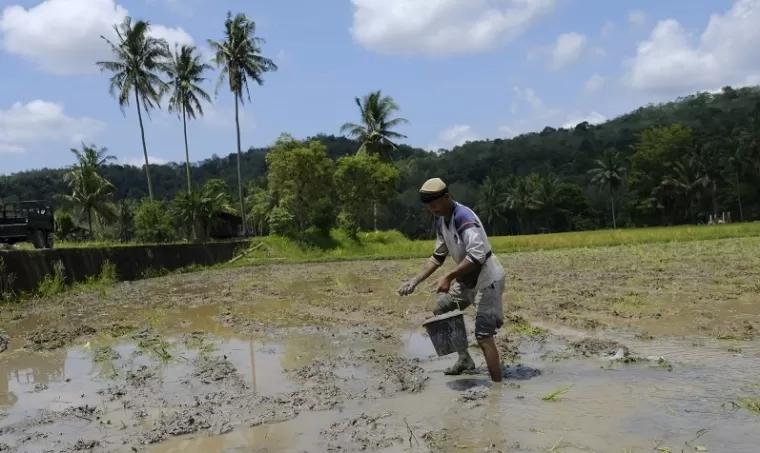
(670, 163)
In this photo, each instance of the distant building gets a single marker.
(226, 225)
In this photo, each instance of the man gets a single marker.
(477, 279)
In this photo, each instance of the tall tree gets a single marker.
(300, 178)
(185, 71)
(198, 209)
(609, 173)
(139, 58)
(734, 170)
(688, 182)
(239, 57)
(359, 179)
(375, 131)
(90, 191)
(490, 206)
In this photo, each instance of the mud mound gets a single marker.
(372, 333)
(318, 372)
(228, 318)
(396, 374)
(187, 421)
(105, 354)
(194, 339)
(118, 329)
(216, 369)
(83, 445)
(474, 394)
(439, 441)
(113, 393)
(47, 339)
(594, 347)
(317, 397)
(363, 433)
(141, 377)
(509, 351)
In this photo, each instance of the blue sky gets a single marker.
(460, 69)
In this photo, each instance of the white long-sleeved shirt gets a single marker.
(464, 237)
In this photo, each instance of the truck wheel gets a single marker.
(50, 240)
(38, 239)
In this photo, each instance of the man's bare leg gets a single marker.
(491, 354)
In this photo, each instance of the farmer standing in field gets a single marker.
(477, 279)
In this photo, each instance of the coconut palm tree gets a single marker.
(185, 71)
(198, 209)
(688, 181)
(90, 191)
(520, 200)
(547, 197)
(138, 61)
(491, 203)
(239, 57)
(375, 131)
(734, 170)
(610, 173)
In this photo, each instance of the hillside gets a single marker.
(668, 175)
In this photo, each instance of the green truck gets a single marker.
(27, 221)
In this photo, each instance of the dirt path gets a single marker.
(326, 358)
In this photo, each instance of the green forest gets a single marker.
(679, 162)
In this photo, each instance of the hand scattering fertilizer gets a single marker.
(447, 332)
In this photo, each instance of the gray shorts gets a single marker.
(489, 315)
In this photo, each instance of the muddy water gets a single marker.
(638, 407)
(367, 389)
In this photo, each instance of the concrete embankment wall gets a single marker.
(24, 270)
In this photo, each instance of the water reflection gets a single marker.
(25, 370)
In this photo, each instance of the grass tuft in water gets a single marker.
(554, 396)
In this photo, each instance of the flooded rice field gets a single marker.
(605, 350)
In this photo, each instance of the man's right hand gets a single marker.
(407, 287)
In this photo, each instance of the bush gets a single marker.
(153, 222)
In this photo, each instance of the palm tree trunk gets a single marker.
(145, 147)
(714, 200)
(89, 221)
(187, 150)
(612, 204)
(374, 214)
(239, 174)
(739, 197)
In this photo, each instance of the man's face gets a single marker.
(439, 207)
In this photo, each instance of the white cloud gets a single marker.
(40, 121)
(598, 51)
(443, 27)
(671, 62)
(608, 29)
(456, 135)
(637, 18)
(280, 57)
(537, 107)
(577, 118)
(538, 115)
(63, 36)
(593, 84)
(567, 49)
(507, 131)
(11, 149)
(139, 162)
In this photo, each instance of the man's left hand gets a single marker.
(443, 285)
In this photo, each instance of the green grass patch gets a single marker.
(394, 245)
